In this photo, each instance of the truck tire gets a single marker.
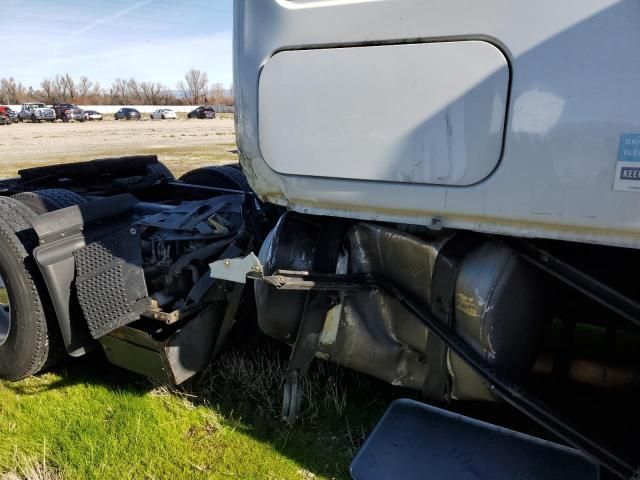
(160, 171)
(222, 176)
(24, 332)
(48, 200)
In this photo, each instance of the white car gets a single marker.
(92, 115)
(163, 113)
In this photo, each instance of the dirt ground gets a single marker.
(182, 144)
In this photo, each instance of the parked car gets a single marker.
(13, 115)
(127, 114)
(36, 112)
(92, 115)
(67, 112)
(163, 113)
(202, 112)
(5, 119)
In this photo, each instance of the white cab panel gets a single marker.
(416, 113)
(568, 169)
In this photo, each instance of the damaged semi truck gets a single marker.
(442, 195)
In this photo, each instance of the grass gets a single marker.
(179, 159)
(87, 419)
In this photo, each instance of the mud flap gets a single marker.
(110, 281)
(418, 441)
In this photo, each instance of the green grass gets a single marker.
(88, 419)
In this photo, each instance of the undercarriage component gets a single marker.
(62, 233)
(110, 281)
(449, 446)
(220, 176)
(500, 385)
(375, 334)
(159, 171)
(90, 171)
(117, 262)
(48, 200)
(610, 298)
(170, 357)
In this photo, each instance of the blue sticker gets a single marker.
(629, 150)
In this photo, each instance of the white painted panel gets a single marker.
(430, 113)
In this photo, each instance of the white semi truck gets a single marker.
(440, 194)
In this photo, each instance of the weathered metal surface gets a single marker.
(437, 444)
(573, 94)
(235, 269)
(373, 333)
(171, 360)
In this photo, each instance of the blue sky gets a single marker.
(154, 40)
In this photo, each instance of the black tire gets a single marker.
(26, 349)
(43, 201)
(222, 176)
(128, 116)
(160, 171)
(33, 119)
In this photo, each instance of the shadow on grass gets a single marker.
(243, 385)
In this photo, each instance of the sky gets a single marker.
(150, 40)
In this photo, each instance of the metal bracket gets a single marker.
(291, 397)
(236, 269)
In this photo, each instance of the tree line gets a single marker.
(194, 89)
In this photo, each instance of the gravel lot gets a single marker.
(182, 144)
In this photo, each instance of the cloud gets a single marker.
(72, 36)
(164, 60)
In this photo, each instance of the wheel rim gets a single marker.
(5, 311)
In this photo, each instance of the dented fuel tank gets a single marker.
(491, 298)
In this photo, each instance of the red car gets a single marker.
(5, 119)
(13, 115)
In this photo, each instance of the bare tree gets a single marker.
(59, 87)
(195, 86)
(48, 90)
(118, 92)
(217, 94)
(153, 93)
(62, 87)
(97, 95)
(134, 90)
(69, 89)
(84, 88)
(11, 91)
